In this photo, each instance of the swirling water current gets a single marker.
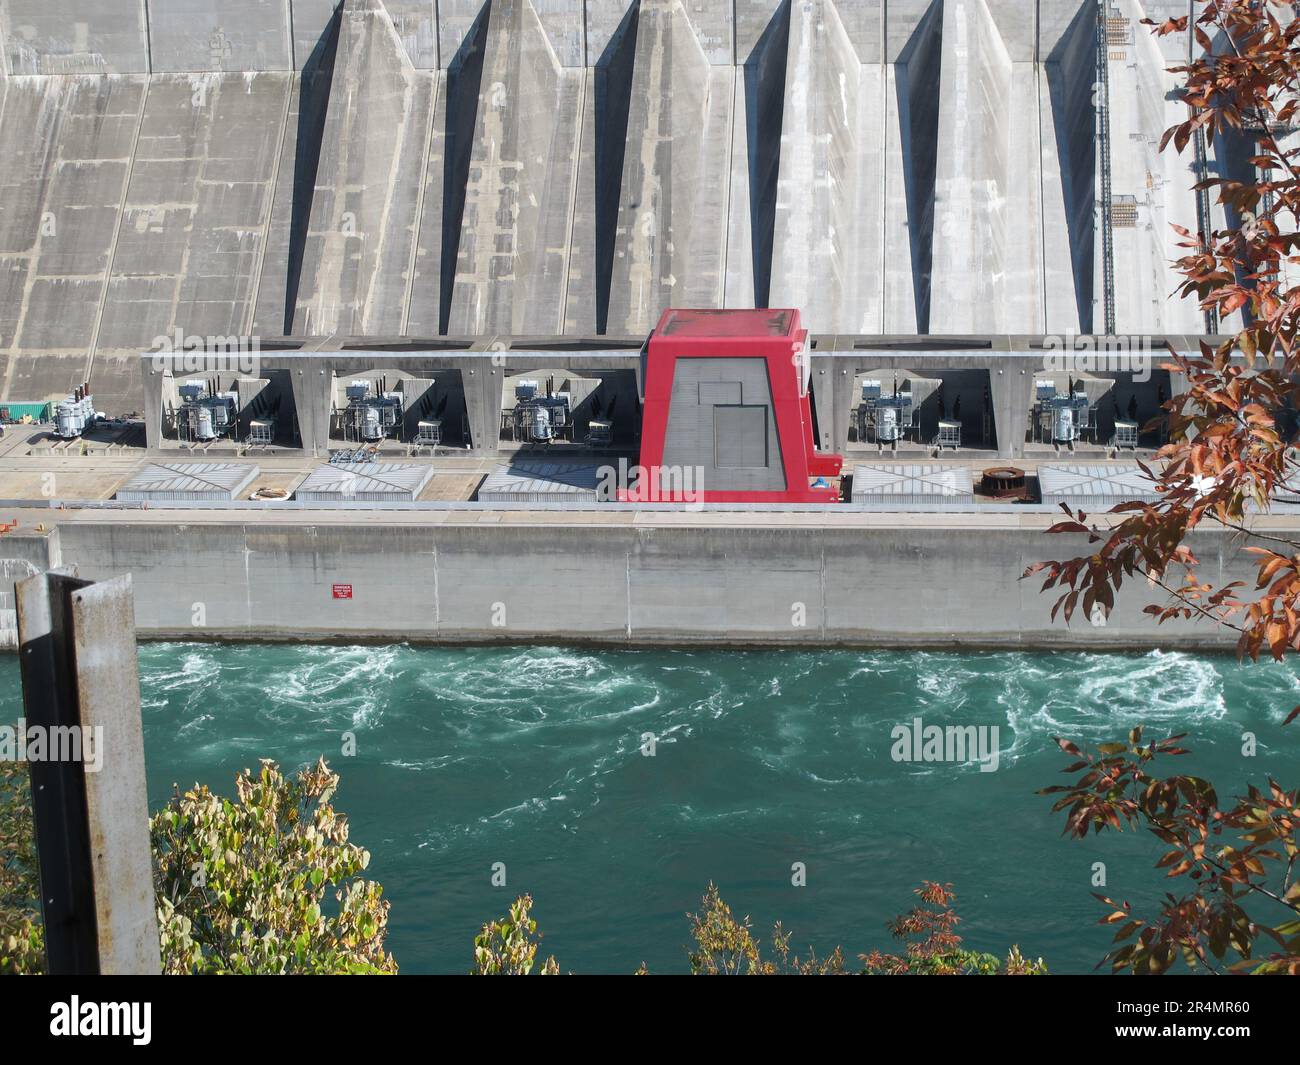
(534, 757)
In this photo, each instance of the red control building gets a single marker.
(727, 417)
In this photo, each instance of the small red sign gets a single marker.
(342, 591)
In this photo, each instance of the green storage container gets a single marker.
(15, 412)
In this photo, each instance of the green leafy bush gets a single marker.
(241, 885)
(508, 947)
(22, 935)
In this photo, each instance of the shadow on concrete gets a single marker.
(613, 99)
(917, 72)
(764, 113)
(1071, 70)
(313, 108)
(464, 83)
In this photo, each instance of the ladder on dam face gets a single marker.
(1102, 93)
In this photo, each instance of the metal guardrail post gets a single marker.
(77, 654)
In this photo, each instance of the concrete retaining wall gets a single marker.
(22, 555)
(682, 585)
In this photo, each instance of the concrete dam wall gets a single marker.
(410, 168)
(666, 582)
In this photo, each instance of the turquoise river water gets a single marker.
(533, 757)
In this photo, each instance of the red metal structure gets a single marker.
(726, 396)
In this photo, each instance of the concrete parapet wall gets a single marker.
(665, 583)
(23, 554)
(75, 36)
(201, 35)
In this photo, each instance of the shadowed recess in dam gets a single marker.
(464, 86)
(313, 109)
(918, 113)
(532, 756)
(765, 72)
(1071, 79)
(613, 100)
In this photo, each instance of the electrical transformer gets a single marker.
(540, 418)
(72, 416)
(883, 418)
(206, 416)
(370, 418)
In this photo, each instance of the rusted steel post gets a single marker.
(81, 688)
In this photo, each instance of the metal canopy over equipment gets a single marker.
(909, 483)
(189, 482)
(1095, 486)
(540, 482)
(375, 482)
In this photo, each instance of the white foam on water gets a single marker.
(194, 724)
(423, 764)
(1099, 698)
(1162, 686)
